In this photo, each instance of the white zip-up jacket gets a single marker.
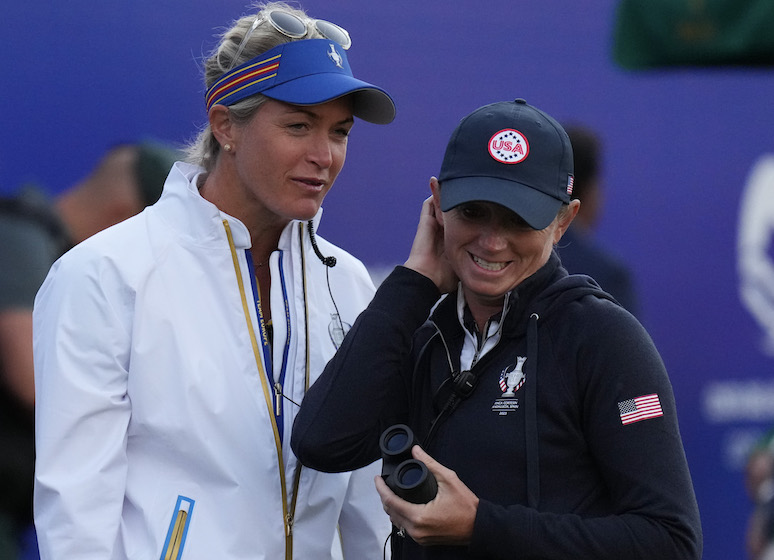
(160, 429)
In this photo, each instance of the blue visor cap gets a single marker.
(306, 72)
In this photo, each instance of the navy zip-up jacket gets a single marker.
(585, 460)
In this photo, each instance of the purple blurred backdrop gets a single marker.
(79, 76)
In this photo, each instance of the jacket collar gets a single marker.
(520, 301)
(197, 220)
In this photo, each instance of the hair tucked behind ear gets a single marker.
(204, 150)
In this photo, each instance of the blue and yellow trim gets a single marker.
(178, 529)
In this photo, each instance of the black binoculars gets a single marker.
(404, 475)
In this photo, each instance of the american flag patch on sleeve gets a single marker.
(640, 408)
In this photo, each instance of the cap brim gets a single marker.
(371, 103)
(535, 207)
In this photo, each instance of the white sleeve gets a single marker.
(364, 525)
(81, 345)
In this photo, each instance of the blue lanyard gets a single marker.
(276, 385)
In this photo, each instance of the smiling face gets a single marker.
(492, 250)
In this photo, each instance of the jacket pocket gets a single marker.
(178, 529)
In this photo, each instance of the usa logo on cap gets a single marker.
(509, 146)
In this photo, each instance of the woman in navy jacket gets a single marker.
(542, 407)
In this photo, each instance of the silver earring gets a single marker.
(227, 147)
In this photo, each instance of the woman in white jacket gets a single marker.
(172, 350)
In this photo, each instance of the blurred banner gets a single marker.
(659, 33)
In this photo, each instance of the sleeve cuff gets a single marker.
(407, 293)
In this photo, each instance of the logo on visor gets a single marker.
(509, 146)
(335, 56)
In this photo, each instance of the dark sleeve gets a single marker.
(26, 254)
(642, 464)
(366, 385)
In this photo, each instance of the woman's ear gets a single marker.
(565, 219)
(222, 126)
(435, 188)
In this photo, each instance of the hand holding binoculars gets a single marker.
(404, 475)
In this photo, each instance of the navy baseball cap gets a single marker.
(512, 154)
(305, 72)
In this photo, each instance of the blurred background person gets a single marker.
(759, 483)
(34, 231)
(580, 252)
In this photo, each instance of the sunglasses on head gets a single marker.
(290, 25)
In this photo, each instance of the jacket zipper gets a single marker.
(173, 547)
(485, 336)
(289, 518)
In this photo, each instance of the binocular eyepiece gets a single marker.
(404, 475)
